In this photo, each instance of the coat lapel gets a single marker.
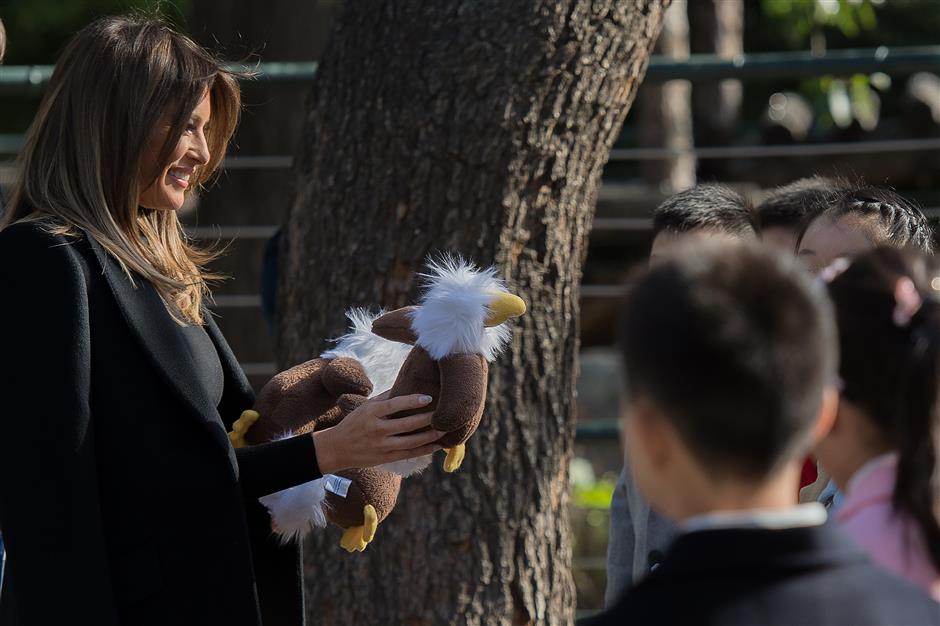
(159, 335)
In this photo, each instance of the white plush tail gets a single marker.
(408, 467)
(380, 357)
(297, 510)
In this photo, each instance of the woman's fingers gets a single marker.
(415, 440)
(383, 408)
(414, 453)
(408, 424)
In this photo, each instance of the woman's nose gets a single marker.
(200, 149)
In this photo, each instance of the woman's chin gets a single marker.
(169, 202)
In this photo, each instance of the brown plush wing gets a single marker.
(304, 398)
(461, 397)
(396, 325)
(418, 374)
(369, 486)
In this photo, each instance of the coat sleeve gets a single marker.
(49, 508)
(271, 467)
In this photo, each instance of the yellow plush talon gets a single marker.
(371, 523)
(356, 538)
(454, 457)
(352, 539)
(241, 426)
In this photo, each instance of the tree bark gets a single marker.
(717, 27)
(666, 110)
(482, 128)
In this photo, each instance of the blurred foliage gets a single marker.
(38, 29)
(805, 20)
(772, 25)
(823, 24)
(590, 524)
(587, 490)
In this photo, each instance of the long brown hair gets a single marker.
(890, 368)
(81, 167)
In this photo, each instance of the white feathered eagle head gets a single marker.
(462, 310)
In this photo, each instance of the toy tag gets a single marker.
(337, 485)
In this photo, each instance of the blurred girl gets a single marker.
(858, 219)
(882, 451)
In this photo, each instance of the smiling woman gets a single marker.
(168, 189)
(121, 496)
(107, 136)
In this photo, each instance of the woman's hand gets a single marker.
(367, 437)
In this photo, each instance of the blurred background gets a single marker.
(752, 93)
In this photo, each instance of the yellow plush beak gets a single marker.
(503, 307)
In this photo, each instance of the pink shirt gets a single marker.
(893, 540)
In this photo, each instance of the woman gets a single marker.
(882, 450)
(121, 499)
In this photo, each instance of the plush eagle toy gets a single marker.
(441, 347)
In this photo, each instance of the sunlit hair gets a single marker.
(81, 166)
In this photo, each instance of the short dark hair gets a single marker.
(735, 344)
(896, 221)
(791, 205)
(711, 207)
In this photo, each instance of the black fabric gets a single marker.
(121, 498)
(805, 576)
(206, 361)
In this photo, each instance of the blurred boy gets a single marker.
(787, 210)
(639, 536)
(730, 352)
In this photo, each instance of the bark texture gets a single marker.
(666, 110)
(717, 28)
(478, 127)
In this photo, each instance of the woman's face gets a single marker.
(168, 191)
(828, 239)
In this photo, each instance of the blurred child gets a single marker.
(859, 219)
(785, 212)
(638, 536)
(730, 355)
(855, 220)
(882, 450)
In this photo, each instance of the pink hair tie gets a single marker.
(832, 271)
(907, 301)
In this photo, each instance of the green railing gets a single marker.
(698, 67)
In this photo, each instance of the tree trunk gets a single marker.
(717, 27)
(478, 127)
(666, 111)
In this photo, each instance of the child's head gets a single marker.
(888, 320)
(785, 212)
(859, 219)
(702, 212)
(729, 351)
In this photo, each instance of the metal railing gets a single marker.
(698, 67)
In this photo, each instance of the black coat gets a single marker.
(121, 498)
(750, 577)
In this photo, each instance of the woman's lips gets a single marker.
(179, 179)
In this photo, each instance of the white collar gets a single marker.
(868, 467)
(798, 516)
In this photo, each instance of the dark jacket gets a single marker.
(121, 498)
(752, 577)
